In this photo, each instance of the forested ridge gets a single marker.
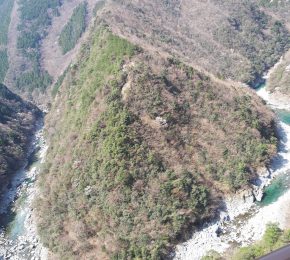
(143, 147)
(241, 44)
(147, 130)
(231, 39)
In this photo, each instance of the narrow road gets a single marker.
(280, 254)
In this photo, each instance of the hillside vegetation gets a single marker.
(141, 149)
(73, 29)
(3, 64)
(280, 8)
(17, 123)
(273, 238)
(279, 81)
(35, 16)
(231, 39)
(5, 12)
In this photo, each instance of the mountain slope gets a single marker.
(231, 39)
(277, 8)
(35, 58)
(279, 82)
(17, 123)
(52, 58)
(142, 148)
(5, 12)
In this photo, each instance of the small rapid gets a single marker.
(18, 233)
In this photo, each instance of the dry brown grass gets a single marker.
(192, 30)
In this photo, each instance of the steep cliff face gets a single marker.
(17, 123)
(142, 147)
(231, 39)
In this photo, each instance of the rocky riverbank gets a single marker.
(19, 239)
(277, 100)
(243, 220)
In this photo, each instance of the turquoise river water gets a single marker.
(281, 183)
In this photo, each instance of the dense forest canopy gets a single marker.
(3, 64)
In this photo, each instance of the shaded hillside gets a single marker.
(141, 149)
(232, 39)
(17, 123)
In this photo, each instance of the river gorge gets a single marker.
(18, 234)
(241, 223)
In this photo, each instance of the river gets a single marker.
(18, 235)
(245, 223)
